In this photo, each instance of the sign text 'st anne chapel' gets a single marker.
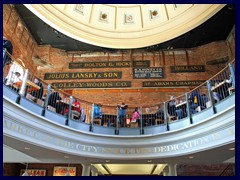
(109, 64)
(84, 75)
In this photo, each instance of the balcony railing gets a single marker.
(28, 90)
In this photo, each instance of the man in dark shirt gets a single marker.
(9, 48)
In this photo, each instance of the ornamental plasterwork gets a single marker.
(110, 25)
(128, 18)
(79, 8)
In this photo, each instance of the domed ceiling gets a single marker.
(124, 26)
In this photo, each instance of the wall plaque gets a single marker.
(171, 83)
(72, 85)
(192, 68)
(108, 64)
(84, 75)
(145, 73)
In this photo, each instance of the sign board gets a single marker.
(171, 83)
(146, 73)
(193, 68)
(72, 85)
(34, 172)
(108, 64)
(62, 171)
(83, 75)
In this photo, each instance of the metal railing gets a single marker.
(205, 96)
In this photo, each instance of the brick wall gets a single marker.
(25, 47)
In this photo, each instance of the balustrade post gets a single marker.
(210, 96)
(92, 119)
(165, 116)
(117, 120)
(232, 74)
(69, 109)
(23, 87)
(141, 121)
(46, 100)
(188, 108)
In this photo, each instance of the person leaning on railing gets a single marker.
(122, 110)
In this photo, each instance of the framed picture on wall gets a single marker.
(34, 172)
(62, 171)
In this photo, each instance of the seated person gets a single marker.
(135, 116)
(76, 109)
(37, 93)
(204, 100)
(216, 96)
(160, 113)
(98, 113)
(172, 110)
(52, 101)
(14, 81)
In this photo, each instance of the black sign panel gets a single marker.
(145, 73)
(72, 85)
(171, 83)
(84, 75)
(181, 69)
(108, 64)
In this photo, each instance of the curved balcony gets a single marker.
(208, 129)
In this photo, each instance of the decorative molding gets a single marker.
(142, 30)
(79, 8)
(128, 18)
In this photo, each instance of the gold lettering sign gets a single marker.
(171, 83)
(52, 139)
(84, 75)
(71, 85)
(192, 68)
(108, 64)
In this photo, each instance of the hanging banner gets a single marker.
(62, 171)
(84, 75)
(193, 68)
(34, 172)
(108, 64)
(72, 85)
(146, 73)
(171, 83)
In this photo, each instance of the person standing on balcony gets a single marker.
(9, 48)
(122, 110)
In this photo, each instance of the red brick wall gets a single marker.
(25, 47)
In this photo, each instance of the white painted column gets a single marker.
(172, 169)
(94, 173)
(166, 171)
(94, 170)
(85, 169)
